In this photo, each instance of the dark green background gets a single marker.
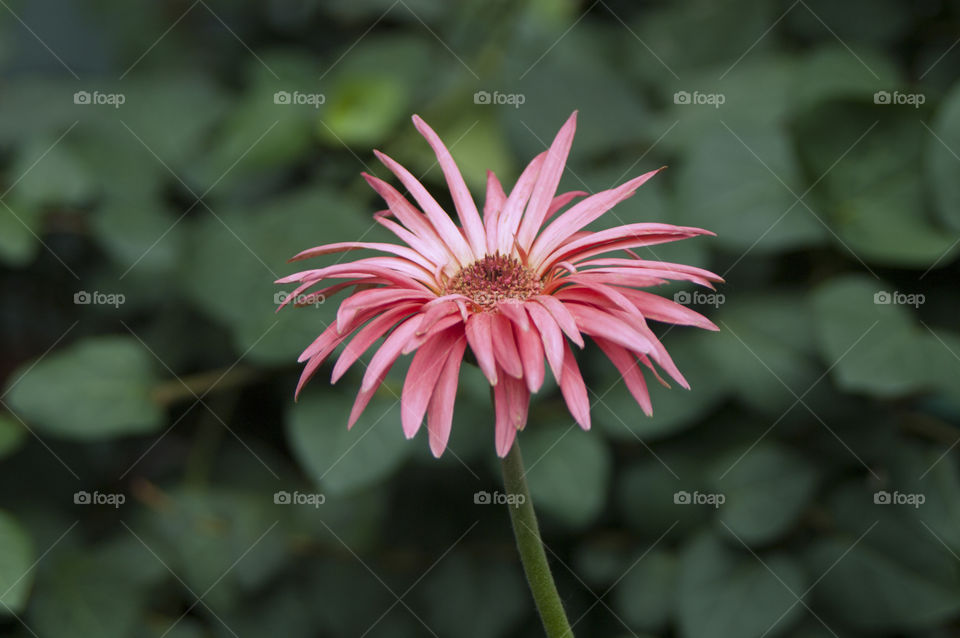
(189, 197)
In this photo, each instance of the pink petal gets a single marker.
(506, 431)
(462, 200)
(562, 200)
(619, 238)
(346, 246)
(513, 310)
(582, 214)
(504, 348)
(440, 412)
(531, 355)
(422, 377)
(562, 317)
(479, 335)
(491, 210)
(371, 299)
(632, 376)
(513, 208)
(604, 323)
(659, 309)
(547, 182)
(550, 335)
(388, 352)
(573, 389)
(439, 219)
(367, 336)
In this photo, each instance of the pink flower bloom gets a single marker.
(516, 285)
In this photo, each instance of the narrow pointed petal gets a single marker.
(550, 335)
(495, 200)
(366, 337)
(504, 347)
(582, 214)
(462, 200)
(562, 316)
(630, 371)
(480, 336)
(389, 351)
(512, 211)
(440, 412)
(574, 390)
(547, 182)
(421, 379)
(562, 200)
(506, 431)
(531, 355)
(439, 219)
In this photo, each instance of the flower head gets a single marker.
(516, 286)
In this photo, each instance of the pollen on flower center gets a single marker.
(492, 279)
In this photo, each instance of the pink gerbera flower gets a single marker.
(512, 285)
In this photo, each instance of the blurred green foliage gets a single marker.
(158, 475)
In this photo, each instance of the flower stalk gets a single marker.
(532, 554)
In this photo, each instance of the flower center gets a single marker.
(492, 279)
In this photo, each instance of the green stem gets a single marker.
(530, 546)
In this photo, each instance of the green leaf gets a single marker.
(18, 233)
(765, 349)
(232, 262)
(460, 585)
(725, 593)
(646, 597)
(865, 328)
(568, 471)
(941, 160)
(873, 198)
(12, 435)
(96, 388)
(342, 460)
(16, 565)
(766, 491)
(88, 594)
(739, 183)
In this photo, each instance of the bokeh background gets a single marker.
(160, 161)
